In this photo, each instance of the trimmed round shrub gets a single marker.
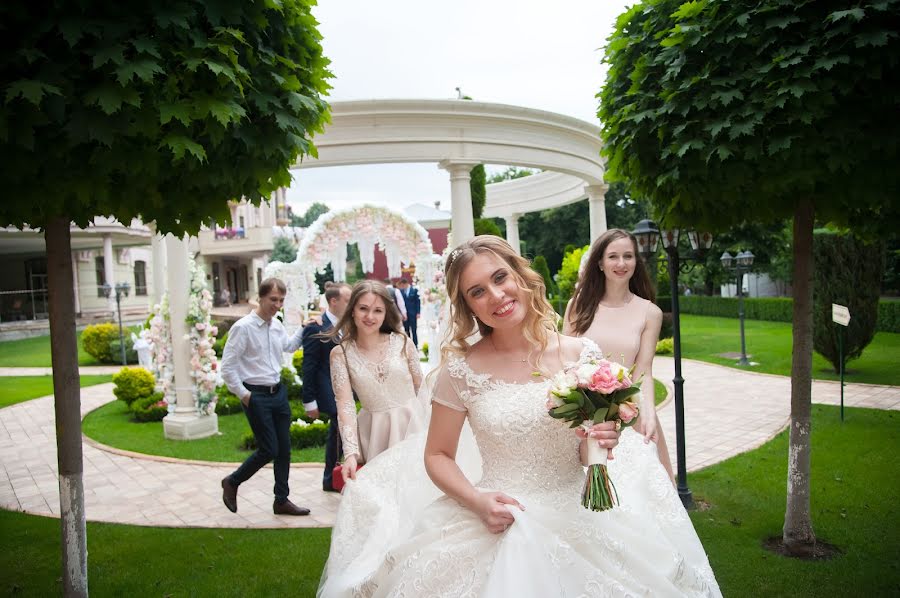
(133, 384)
(115, 350)
(297, 360)
(227, 403)
(150, 409)
(302, 436)
(666, 329)
(219, 344)
(665, 346)
(293, 383)
(96, 339)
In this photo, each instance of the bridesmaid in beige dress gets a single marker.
(377, 361)
(613, 305)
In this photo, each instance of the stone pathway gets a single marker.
(727, 412)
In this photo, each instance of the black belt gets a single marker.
(268, 389)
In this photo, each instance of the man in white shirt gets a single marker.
(251, 368)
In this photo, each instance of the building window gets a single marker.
(101, 274)
(140, 278)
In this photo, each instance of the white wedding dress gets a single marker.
(397, 535)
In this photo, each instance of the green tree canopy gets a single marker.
(311, 215)
(477, 187)
(509, 173)
(283, 251)
(722, 112)
(160, 110)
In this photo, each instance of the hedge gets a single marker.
(773, 309)
(302, 436)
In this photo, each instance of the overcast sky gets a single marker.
(530, 53)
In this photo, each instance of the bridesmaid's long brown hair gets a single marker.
(592, 282)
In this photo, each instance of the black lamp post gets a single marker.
(648, 236)
(122, 289)
(741, 265)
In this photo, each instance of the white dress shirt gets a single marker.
(255, 351)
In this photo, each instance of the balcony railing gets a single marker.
(222, 234)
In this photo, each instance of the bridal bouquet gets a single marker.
(595, 392)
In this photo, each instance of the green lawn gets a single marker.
(769, 343)
(16, 389)
(110, 425)
(855, 476)
(854, 480)
(659, 391)
(143, 561)
(35, 352)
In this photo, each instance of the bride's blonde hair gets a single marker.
(540, 319)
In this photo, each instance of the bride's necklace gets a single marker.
(520, 360)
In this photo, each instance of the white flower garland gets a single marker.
(403, 240)
(202, 334)
(159, 336)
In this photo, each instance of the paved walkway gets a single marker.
(727, 412)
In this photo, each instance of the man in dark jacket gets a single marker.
(410, 296)
(318, 395)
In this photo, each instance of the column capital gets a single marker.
(595, 192)
(458, 168)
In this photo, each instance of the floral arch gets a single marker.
(403, 240)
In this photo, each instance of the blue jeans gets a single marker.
(270, 419)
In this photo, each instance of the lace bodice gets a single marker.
(521, 446)
(388, 383)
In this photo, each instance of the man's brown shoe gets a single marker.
(229, 495)
(288, 508)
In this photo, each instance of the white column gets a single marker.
(158, 252)
(463, 227)
(597, 203)
(512, 232)
(184, 423)
(109, 271)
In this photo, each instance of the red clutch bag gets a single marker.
(337, 477)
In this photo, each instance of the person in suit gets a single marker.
(413, 307)
(318, 395)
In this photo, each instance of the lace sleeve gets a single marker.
(415, 368)
(589, 351)
(346, 408)
(446, 391)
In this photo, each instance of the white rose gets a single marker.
(584, 372)
(563, 383)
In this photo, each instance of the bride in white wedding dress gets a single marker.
(413, 524)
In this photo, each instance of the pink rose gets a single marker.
(627, 412)
(603, 380)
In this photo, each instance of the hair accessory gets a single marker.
(453, 255)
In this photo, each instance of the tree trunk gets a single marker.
(67, 397)
(798, 536)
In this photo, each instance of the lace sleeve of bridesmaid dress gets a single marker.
(346, 407)
(415, 367)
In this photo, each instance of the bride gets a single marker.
(520, 529)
